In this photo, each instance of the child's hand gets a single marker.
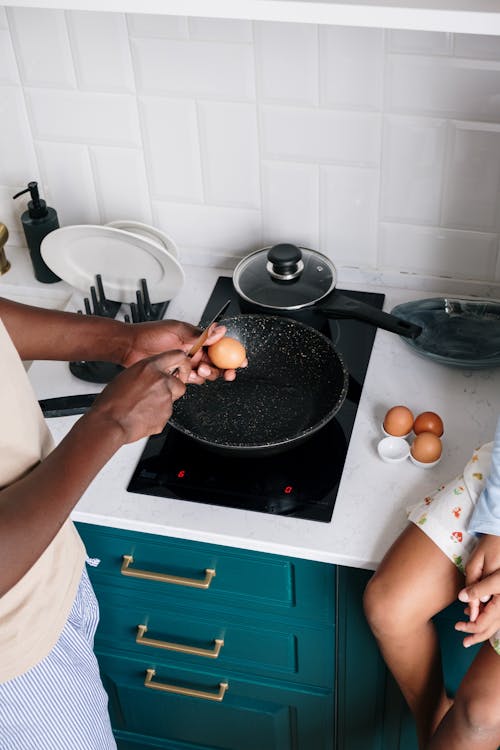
(483, 561)
(483, 599)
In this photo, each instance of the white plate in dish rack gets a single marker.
(146, 232)
(77, 253)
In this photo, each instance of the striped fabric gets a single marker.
(60, 704)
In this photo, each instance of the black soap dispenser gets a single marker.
(37, 222)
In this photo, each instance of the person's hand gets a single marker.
(480, 572)
(487, 622)
(139, 400)
(484, 560)
(149, 339)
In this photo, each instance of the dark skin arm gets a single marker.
(56, 335)
(136, 404)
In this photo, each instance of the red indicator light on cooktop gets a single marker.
(181, 474)
(288, 489)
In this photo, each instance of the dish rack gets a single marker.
(142, 310)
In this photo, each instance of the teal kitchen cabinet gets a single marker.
(205, 647)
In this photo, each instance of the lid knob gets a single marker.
(284, 262)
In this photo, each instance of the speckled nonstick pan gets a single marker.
(294, 384)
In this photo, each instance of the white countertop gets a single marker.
(370, 508)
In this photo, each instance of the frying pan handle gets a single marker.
(341, 306)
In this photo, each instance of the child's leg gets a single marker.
(473, 723)
(414, 582)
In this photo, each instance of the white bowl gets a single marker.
(423, 465)
(392, 449)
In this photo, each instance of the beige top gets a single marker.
(33, 612)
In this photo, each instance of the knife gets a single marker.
(66, 406)
(204, 336)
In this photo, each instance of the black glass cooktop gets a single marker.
(302, 482)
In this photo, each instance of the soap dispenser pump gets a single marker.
(37, 222)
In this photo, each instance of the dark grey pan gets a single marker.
(456, 332)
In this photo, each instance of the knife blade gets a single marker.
(201, 340)
(204, 335)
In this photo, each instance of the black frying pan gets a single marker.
(294, 384)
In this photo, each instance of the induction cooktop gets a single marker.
(301, 482)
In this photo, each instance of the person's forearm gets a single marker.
(33, 509)
(53, 334)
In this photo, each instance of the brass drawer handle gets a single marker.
(148, 682)
(164, 577)
(211, 653)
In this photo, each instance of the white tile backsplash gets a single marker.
(287, 62)
(220, 29)
(412, 169)
(114, 168)
(352, 65)
(437, 252)
(84, 117)
(169, 27)
(209, 234)
(420, 42)
(170, 131)
(230, 154)
(320, 135)
(43, 49)
(290, 200)
(471, 198)
(477, 46)
(193, 68)
(9, 73)
(69, 182)
(379, 148)
(17, 153)
(349, 203)
(447, 87)
(101, 51)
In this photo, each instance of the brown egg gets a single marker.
(398, 421)
(227, 353)
(426, 448)
(428, 421)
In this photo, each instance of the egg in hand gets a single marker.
(227, 353)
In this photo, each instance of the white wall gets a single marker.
(379, 148)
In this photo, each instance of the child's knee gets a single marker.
(378, 604)
(479, 714)
(387, 608)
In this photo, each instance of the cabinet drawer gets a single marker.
(202, 640)
(161, 568)
(245, 715)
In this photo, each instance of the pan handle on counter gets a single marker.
(66, 406)
(340, 306)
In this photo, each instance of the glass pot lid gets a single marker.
(284, 277)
